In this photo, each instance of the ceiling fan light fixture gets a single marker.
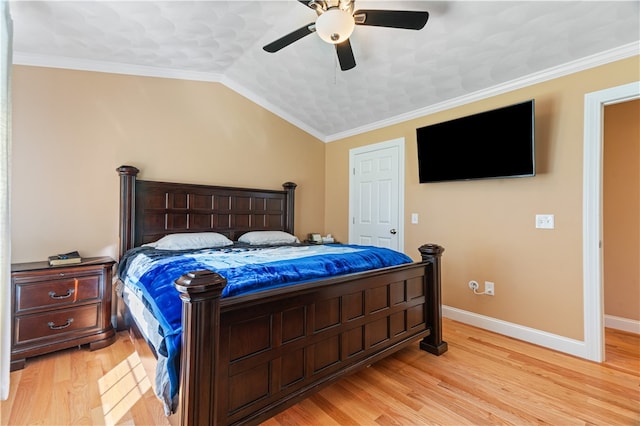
(335, 25)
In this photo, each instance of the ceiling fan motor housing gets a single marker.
(335, 25)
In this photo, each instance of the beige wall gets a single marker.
(487, 227)
(621, 210)
(72, 129)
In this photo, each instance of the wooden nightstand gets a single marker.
(57, 307)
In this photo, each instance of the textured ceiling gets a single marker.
(465, 48)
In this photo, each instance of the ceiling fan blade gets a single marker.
(289, 38)
(345, 55)
(410, 20)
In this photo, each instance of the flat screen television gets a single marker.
(493, 144)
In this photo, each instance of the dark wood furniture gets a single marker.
(57, 307)
(245, 358)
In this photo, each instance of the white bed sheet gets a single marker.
(149, 327)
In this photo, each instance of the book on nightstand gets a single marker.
(65, 259)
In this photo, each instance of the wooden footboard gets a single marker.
(246, 358)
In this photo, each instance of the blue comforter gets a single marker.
(247, 269)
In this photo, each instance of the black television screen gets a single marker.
(493, 144)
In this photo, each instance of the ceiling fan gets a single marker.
(336, 21)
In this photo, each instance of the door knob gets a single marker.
(393, 231)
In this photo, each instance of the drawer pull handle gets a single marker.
(69, 292)
(53, 295)
(52, 325)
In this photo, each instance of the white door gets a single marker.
(376, 195)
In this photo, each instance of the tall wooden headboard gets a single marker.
(149, 209)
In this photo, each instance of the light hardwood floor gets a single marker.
(484, 378)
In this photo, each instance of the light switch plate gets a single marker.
(545, 221)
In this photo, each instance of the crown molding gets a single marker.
(602, 58)
(50, 61)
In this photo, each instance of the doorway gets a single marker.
(621, 218)
(592, 213)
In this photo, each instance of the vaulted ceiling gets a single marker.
(467, 49)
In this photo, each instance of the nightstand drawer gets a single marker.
(55, 323)
(66, 290)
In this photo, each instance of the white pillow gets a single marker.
(268, 237)
(196, 240)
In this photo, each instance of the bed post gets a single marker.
(127, 199)
(200, 292)
(432, 253)
(290, 187)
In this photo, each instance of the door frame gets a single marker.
(593, 289)
(399, 144)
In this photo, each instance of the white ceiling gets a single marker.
(467, 49)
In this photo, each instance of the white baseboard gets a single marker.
(624, 324)
(542, 338)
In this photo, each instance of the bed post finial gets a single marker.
(431, 254)
(290, 187)
(127, 196)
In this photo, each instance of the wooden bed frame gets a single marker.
(246, 358)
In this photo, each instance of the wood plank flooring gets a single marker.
(484, 378)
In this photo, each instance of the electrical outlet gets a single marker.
(488, 288)
(473, 285)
